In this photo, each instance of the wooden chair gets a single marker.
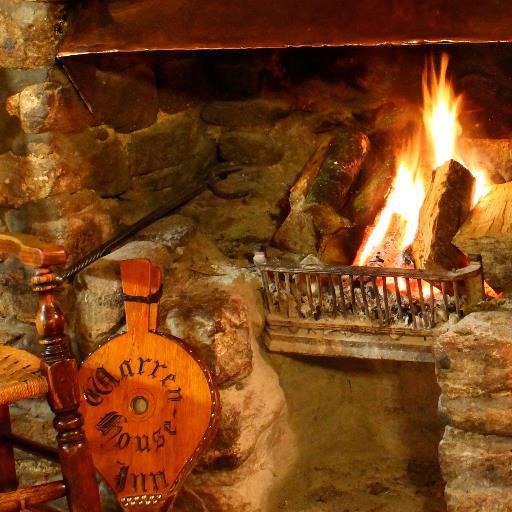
(23, 375)
(150, 406)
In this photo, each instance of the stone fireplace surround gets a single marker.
(296, 434)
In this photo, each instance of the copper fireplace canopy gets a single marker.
(105, 26)
(121, 26)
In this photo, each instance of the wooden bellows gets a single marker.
(150, 405)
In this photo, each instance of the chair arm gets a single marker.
(30, 250)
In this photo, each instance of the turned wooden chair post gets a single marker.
(60, 369)
(8, 480)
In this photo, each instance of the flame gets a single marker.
(405, 200)
(471, 162)
(440, 112)
(441, 109)
(397, 224)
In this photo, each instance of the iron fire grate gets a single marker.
(368, 312)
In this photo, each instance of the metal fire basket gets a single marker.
(363, 311)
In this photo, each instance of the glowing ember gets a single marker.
(404, 202)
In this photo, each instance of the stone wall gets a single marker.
(473, 362)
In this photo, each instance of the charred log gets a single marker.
(328, 193)
(310, 171)
(372, 186)
(340, 248)
(297, 232)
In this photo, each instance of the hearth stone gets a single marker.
(476, 468)
(239, 114)
(249, 148)
(473, 361)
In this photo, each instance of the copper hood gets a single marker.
(116, 26)
(103, 26)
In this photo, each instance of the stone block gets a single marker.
(249, 148)
(80, 222)
(17, 301)
(184, 177)
(237, 475)
(15, 80)
(99, 308)
(478, 500)
(174, 231)
(167, 143)
(237, 114)
(68, 163)
(183, 82)
(169, 185)
(49, 106)
(473, 361)
(80, 233)
(468, 459)
(49, 209)
(29, 33)
(11, 171)
(94, 158)
(216, 322)
(33, 177)
(477, 472)
(123, 93)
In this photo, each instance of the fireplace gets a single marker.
(379, 249)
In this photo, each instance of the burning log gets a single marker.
(388, 253)
(310, 171)
(488, 231)
(340, 248)
(328, 192)
(446, 206)
(372, 186)
(297, 232)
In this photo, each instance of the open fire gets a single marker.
(431, 146)
(407, 276)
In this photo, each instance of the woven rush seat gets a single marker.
(20, 375)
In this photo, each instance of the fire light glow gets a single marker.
(441, 109)
(440, 112)
(405, 200)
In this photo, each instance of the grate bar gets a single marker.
(371, 297)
